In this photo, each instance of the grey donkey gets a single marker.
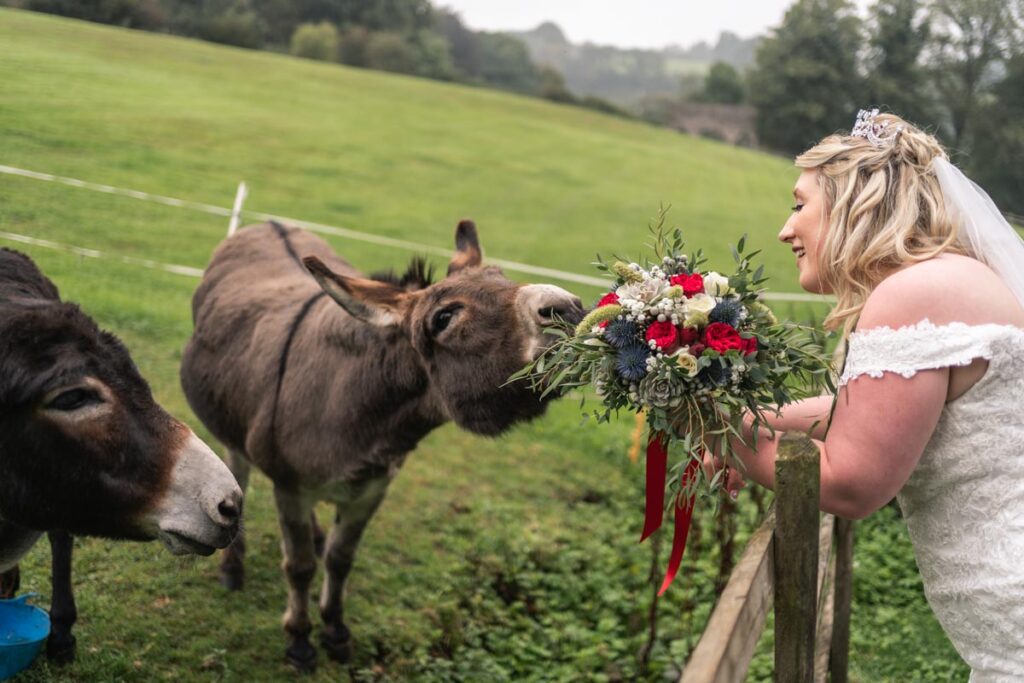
(326, 379)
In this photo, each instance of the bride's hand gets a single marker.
(734, 481)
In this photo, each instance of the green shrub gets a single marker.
(315, 41)
(390, 52)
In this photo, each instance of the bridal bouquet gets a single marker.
(692, 348)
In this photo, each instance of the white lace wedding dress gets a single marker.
(964, 503)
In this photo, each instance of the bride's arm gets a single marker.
(880, 426)
(879, 431)
(809, 416)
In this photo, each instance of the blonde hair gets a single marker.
(883, 208)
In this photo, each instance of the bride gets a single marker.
(929, 282)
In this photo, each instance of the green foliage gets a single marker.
(971, 37)
(896, 77)
(806, 83)
(231, 22)
(723, 85)
(316, 41)
(505, 63)
(390, 52)
(999, 144)
(352, 44)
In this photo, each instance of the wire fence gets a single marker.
(237, 212)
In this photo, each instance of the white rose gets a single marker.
(700, 303)
(716, 284)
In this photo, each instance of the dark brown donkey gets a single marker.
(327, 382)
(84, 448)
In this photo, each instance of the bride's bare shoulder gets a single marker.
(948, 288)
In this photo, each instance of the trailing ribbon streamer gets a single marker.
(657, 462)
(684, 513)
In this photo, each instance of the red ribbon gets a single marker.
(654, 509)
(657, 461)
(684, 513)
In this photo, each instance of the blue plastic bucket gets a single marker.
(23, 628)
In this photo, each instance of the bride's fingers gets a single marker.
(734, 482)
(708, 465)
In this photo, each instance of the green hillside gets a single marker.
(387, 154)
(491, 560)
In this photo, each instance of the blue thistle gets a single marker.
(631, 362)
(715, 374)
(727, 311)
(621, 333)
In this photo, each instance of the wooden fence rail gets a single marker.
(800, 560)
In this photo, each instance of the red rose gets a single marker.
(664, 335)
(691, 284)
(696, 349)
(688, 335)
(749, 346)
(722, 337)
(608, 299)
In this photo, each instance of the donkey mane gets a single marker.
(419, 275)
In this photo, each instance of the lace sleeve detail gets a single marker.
(922, 346)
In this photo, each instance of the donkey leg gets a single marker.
(318, 535)
(10, 582)
(60, 647)
(349, 523)
(299, 565)
(232, 563)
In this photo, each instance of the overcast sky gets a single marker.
(633, 23)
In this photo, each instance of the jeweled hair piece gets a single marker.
(876, 132)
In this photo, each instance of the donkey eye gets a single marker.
(442, 319)
(73, 399)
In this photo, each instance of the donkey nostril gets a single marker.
(547, 313)
(229, 509)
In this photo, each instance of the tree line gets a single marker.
(405, 36)
(954, 67)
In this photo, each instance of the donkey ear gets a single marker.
(377, 303)
(467, 246)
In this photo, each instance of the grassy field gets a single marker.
(506, 559)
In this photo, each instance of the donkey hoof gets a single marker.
(301, 656)
(233, 581)
(60, 649)
(338, 649)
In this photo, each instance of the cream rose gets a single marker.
(716, 284)
(685, 361)
(700, 303)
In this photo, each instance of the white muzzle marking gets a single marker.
(202, 507)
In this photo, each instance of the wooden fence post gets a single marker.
(797, 487)
(839, 660)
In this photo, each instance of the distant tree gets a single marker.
(896, 79)
(316, 41)
(281, 18)
(433, 55)
(972, 38)
(552, 86)
(463, 44)
(806, 84)
(995, 162)
(232, 22)
(352, 45)
(141, 14)
(723, 85)
(505, 63)
(398, 16)
(390, 52)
